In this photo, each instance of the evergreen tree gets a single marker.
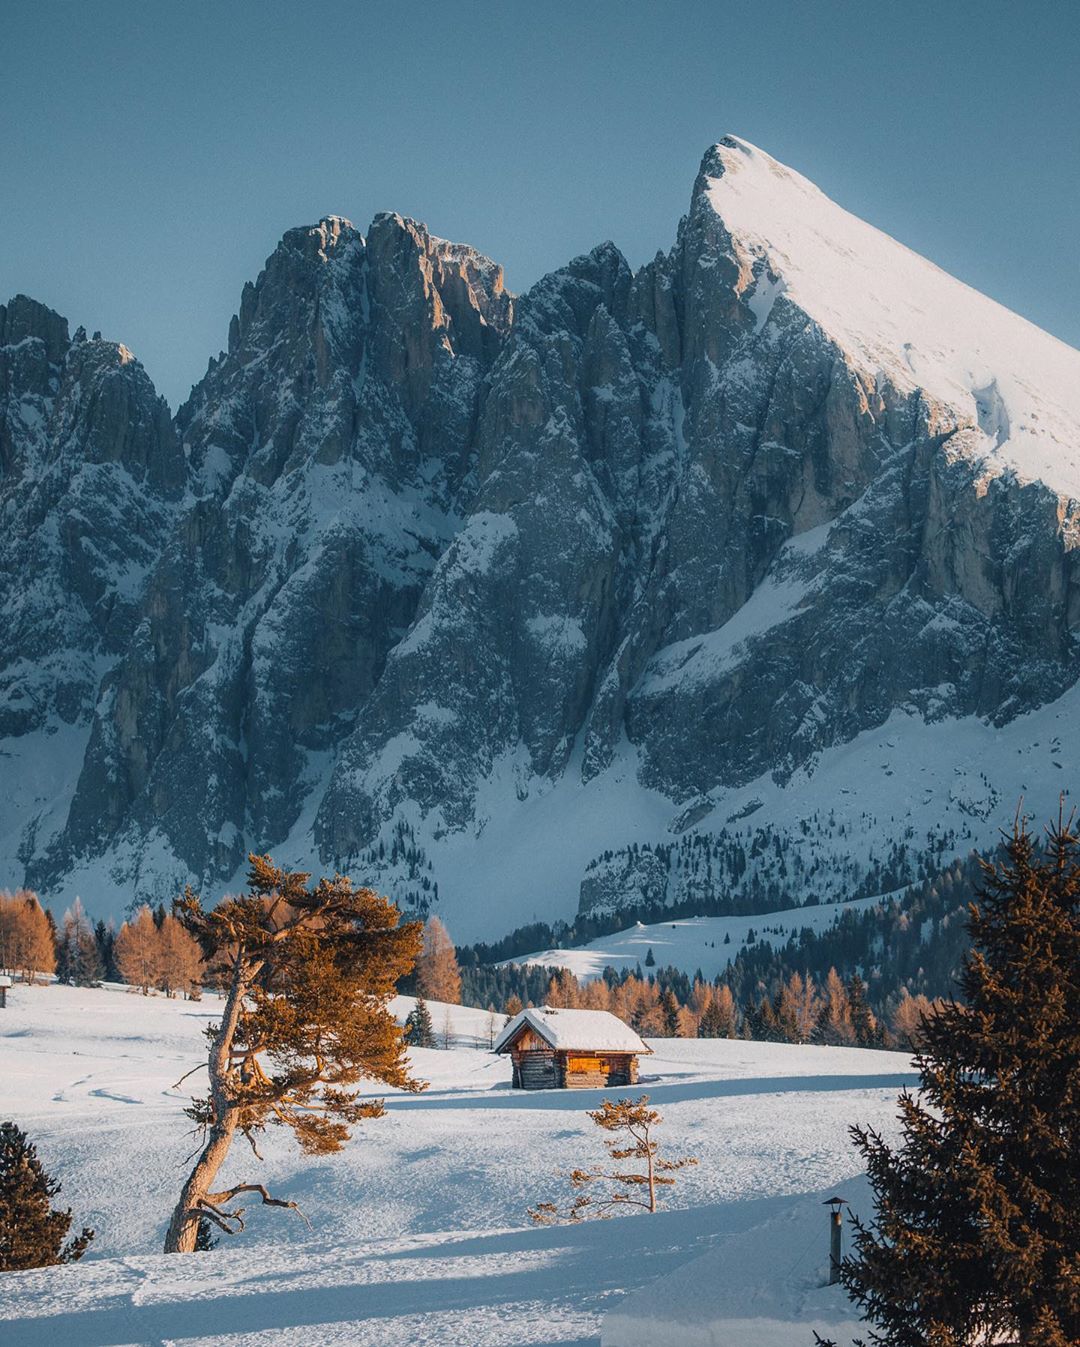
(419, 1031)
(78, 961)
(105, 938)
(709, 1024)
(977, 1230)
(863, 1022)
(32, 1232)
(205, 1239)
(670, 1008)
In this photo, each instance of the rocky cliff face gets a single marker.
(427, 581)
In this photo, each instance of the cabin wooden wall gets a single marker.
(538, 1067)
(535, 1069)
(596, 1071)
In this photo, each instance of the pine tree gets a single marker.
(308, 973)
(78, 961)
(977, 1228)
(670, 1009)
(419, 1031)
(863, 1022)
(105, 938)
(32, 1232)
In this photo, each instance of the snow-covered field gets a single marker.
(418, 1229)
(691, 944)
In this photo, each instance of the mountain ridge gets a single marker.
(463, 590)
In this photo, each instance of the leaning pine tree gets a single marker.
(307, 973)
(977, 1230)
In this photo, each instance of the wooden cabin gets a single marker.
(570, 1049)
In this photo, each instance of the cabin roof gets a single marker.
(581, 1030)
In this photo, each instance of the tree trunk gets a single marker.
(184, 1225)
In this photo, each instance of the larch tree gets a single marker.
(631, 1125)
(910, 1016)
(438, 977)
(307, 972)
(137, 951)
(799, 1009)
(180, 965)
(834, 1025)
(976, 1235)
(32, 1231)
(27, 944)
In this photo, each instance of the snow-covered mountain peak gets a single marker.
(425, 582)
(899, 317)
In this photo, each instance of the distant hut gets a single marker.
(570, 1049)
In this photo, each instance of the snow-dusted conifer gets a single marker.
(976, 1237)
(419, 1031)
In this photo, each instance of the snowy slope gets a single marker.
(691, 944)
(893, 312)
(766, 1287)
(418, 1230)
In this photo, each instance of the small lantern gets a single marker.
(835, 1227)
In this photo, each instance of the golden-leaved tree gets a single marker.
(307, 973)
(438, 977)
(27, 945)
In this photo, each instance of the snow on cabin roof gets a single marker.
(582, 1030)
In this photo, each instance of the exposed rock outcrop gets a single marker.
(416, 554)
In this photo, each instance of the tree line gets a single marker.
(151, 951)
(905, 951)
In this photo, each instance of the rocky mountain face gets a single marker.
(473, 595)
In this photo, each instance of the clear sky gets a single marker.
(152, 154)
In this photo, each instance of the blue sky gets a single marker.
(153, 154)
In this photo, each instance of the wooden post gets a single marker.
(835, 1229)
(5, 983)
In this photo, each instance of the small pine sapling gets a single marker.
(631, 1123)
(419, 1031)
